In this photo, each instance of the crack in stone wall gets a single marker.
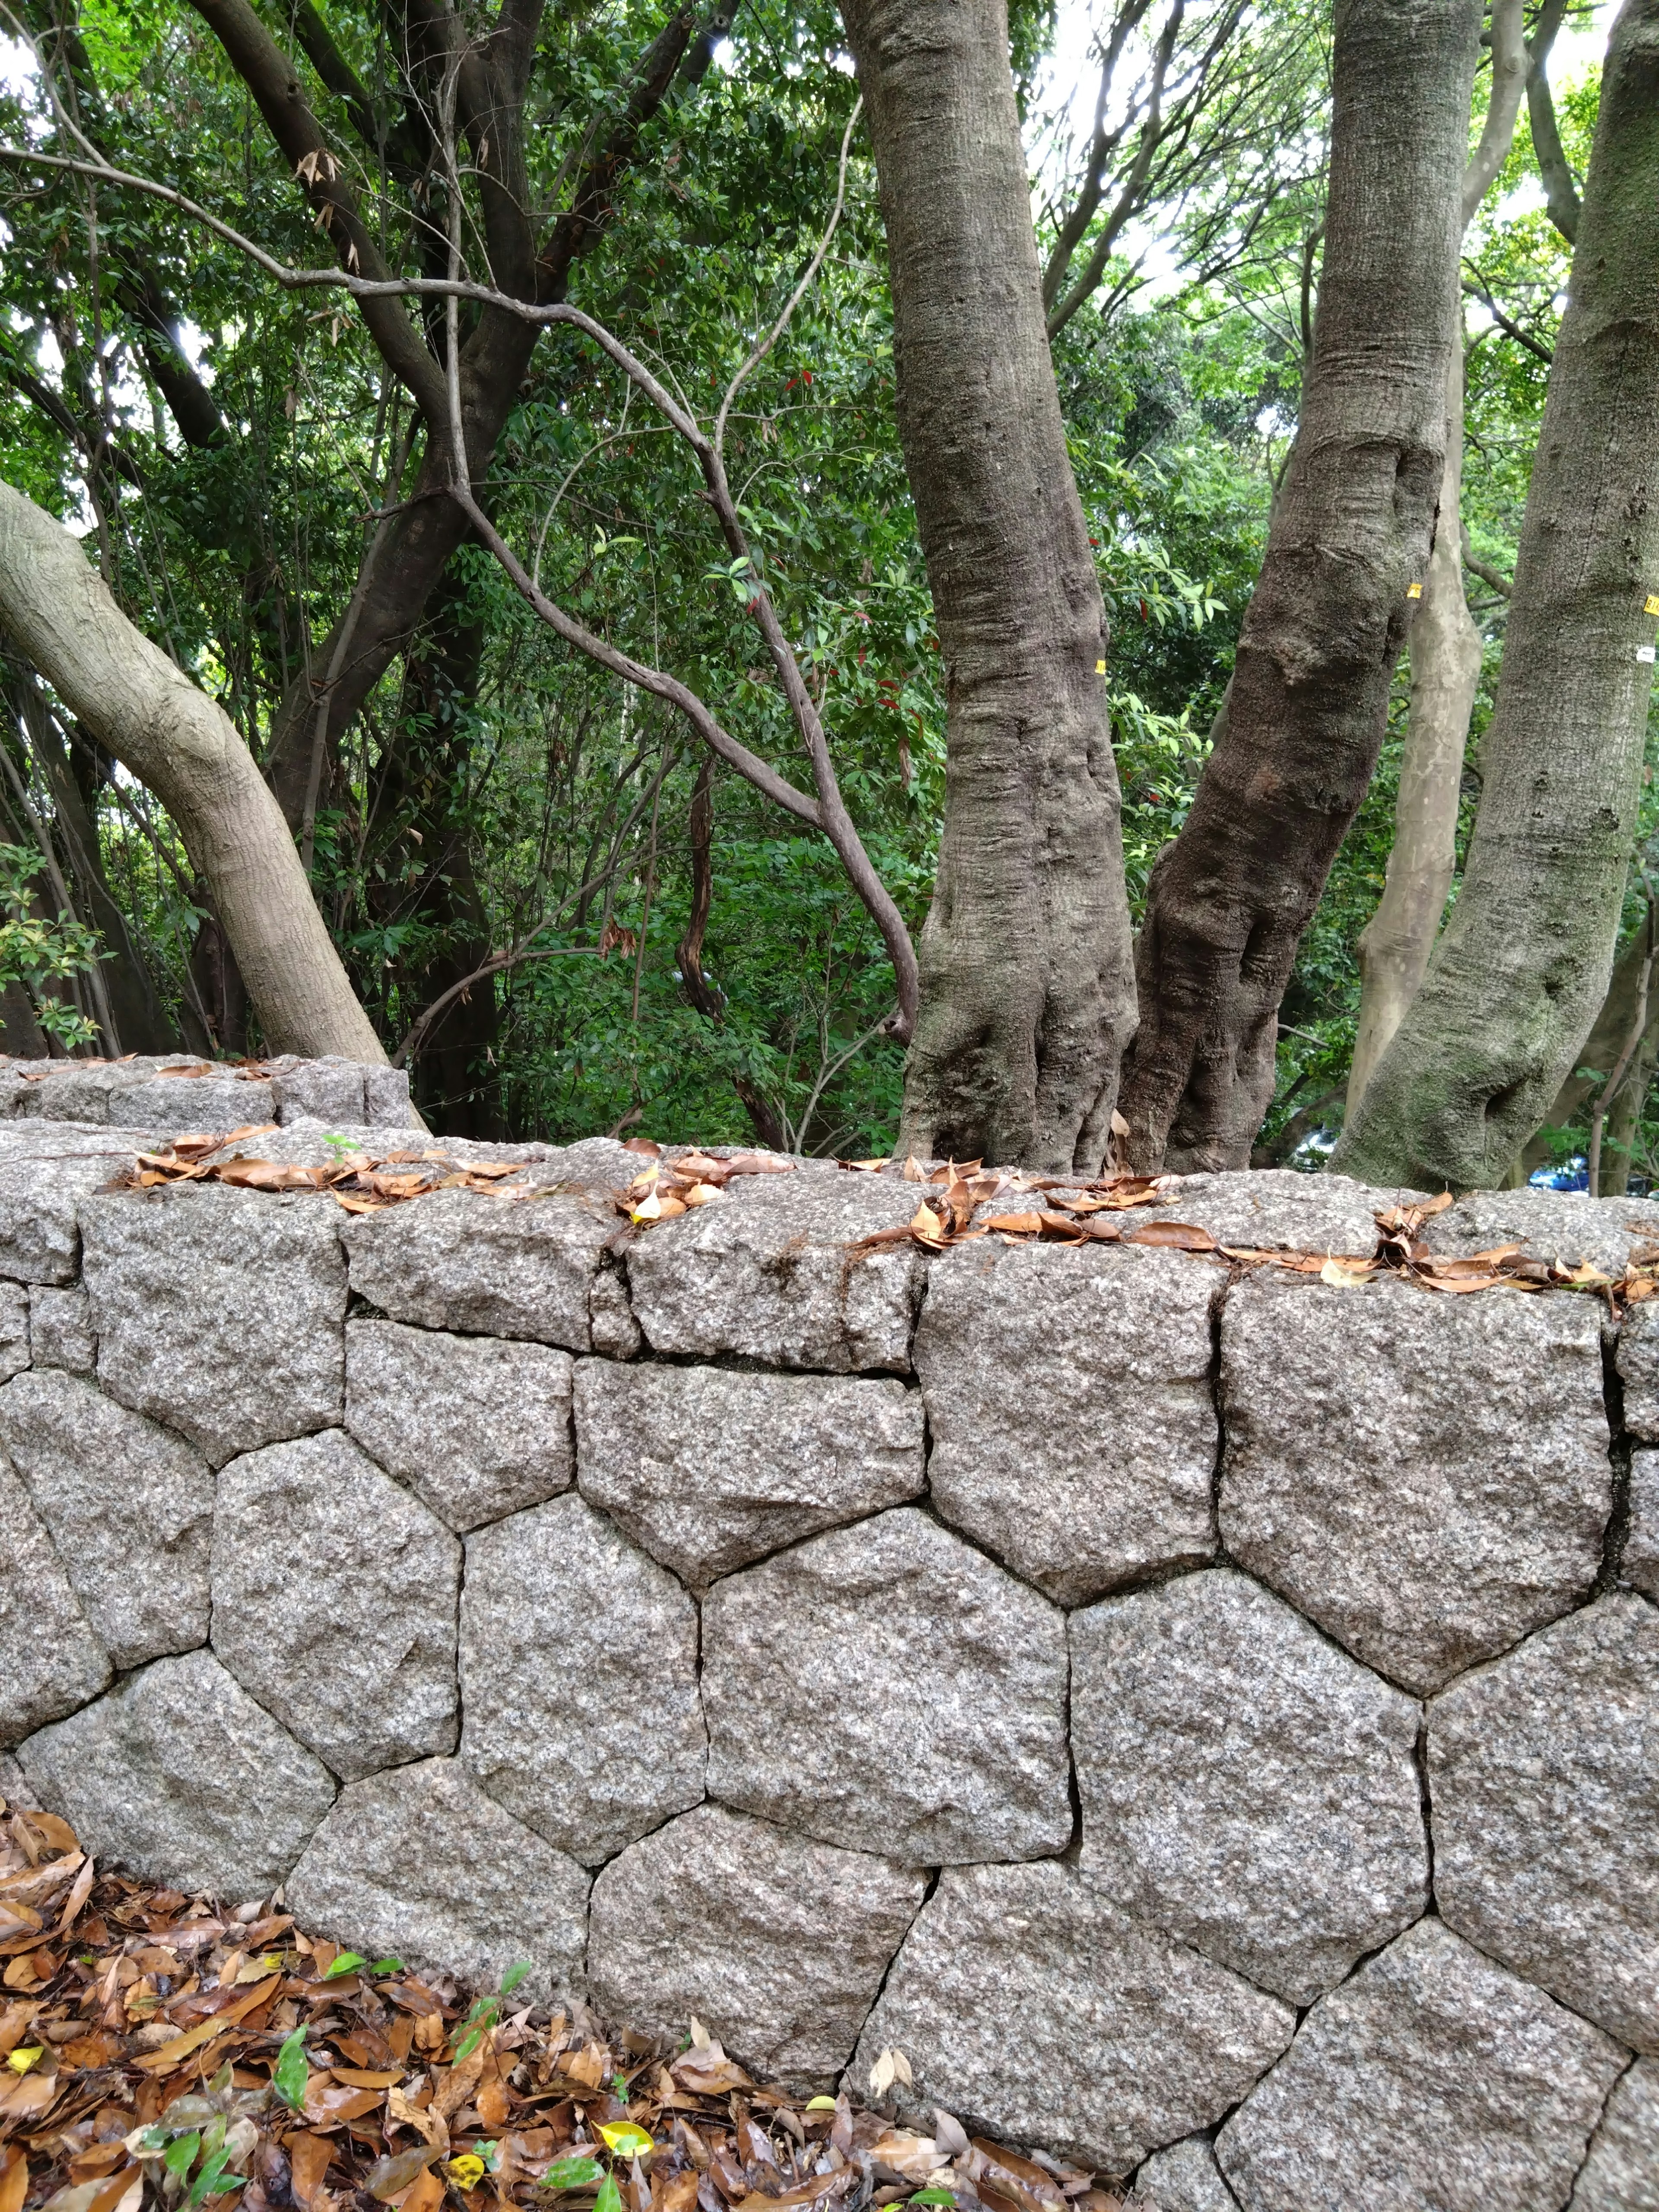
(1085, 1762)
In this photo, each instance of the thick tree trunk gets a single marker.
(1445, 663)
(1351, 531)
(1444, 647)
(1522, 965)
(1027, 993)
(184, 746)
(1597, 1057)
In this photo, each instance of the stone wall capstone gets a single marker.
(1204, 1716)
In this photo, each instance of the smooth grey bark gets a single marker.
(59, 613)
(1524, 963)
(1445, 654)
(1351, 531)
(1027, 996)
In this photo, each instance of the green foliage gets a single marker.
(39, 953)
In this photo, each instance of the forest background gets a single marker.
(546, 896)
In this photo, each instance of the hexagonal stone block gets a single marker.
(578, 1679)
(1548, 1224)
(419, 1863)
(203, 1102)
(1433, 2077)
(1068, 1398)
(484, 1265)
(60, 1329)
(772, 1272)
(45, 1173)
(1544, 1779)
(178, 1775)
(334, 1602)
(1621, 2173)
(1636, 1355)
(128, 1508)
(50, 1660)
(1245, 1786)
(1183, 2178)
(476, 1426)
(1426, 1477)
(219, 1311)
(1281, 1209)
(1640, 1563)
(778, 1944)
(709, 1469)
(327, 1090)
(888, 1684)
(1029, 2004)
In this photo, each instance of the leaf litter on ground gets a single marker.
(160, 2052)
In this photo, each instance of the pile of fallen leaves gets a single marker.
(361, 1182)
(159, 2053)
(963, 1201)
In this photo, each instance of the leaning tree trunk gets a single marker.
(1445, 663)
(185, 747)
(1522, 965)
(1027, 990)
(1351, 533)
(1445, 654)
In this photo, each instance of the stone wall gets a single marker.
(1207, 1720)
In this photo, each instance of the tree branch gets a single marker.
(1560, 187)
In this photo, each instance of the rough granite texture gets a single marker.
(1621, 2173)
(485, 1266)
(710, 1470)
(179, 1774)
(60, 1330)
(1640, 1564)
(1425, 1477)
(1083, 1454)
(1544, 1776)
(218, 1311)
(777, 1945)
(51, 1663)
(1279, 1209)
(1637, 1362)
(768, 1272)
(206, 1103)
(334, 1603)
(14, 1329)
(1027, 2004)
(1137, 1833)
(45, 1176)
(1549, 1225)
(888, 1684)
(578, 1679)
(421, 1865)
(1432, 2079)
(1183, 2178)
(127, 1507)
(1245, 1785)
(476, 1427)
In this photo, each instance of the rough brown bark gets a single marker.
(1351, 531)
(174, 738)
(1524, 963)
(1027, 995)
(1445, 664)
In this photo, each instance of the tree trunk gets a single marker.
(1598, 1055)
(1522, 964)
(1445, 663)
(1351, 530)
(1027, 992)
(184, 746)
(1444, 648)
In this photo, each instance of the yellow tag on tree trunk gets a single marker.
(1100, 666)
(1414, 591)
(1650, 604)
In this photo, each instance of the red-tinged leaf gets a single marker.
(1177, 1236)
